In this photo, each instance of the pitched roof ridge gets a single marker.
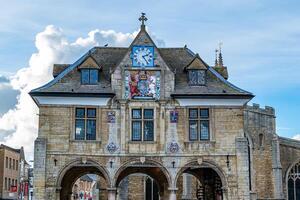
(65, 71)
(219, 76)
(172, 48)
(62, 64)
(101, 47)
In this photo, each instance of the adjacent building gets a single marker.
(84, 188)
(158, 123)
(13, 173)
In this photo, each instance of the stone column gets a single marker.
(111, 193)
(186, 186)
(242, 168)
(172, 193)
(39, 179)
(277, 169)
(123, 189)
(123, 129)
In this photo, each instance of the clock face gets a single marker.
(142, 56)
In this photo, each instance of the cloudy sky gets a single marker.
(261, 48)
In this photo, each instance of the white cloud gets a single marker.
(296, 137)
(52, 47)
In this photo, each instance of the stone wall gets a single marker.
(290, 155)
(264, 157)
(56, 147)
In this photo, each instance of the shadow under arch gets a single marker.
(74, 170)
(205, 168)
(150, 167)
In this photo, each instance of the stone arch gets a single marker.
(148, 167)
(137, 162)
(206, 172)
(286, 178)
(74, 170)
(204, 164)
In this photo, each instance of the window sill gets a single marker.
(141, 142)
(200, 142)
(85, 141)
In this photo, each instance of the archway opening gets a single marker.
(294, 182)
(199, 183)
(83, 182)
(142, 182)
(89, 187)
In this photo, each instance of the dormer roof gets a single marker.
(196, 64)
(90, 63)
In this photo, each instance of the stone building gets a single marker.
(158, 123)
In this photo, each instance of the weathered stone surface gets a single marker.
(243, 153)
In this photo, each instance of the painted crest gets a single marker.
(173, 147)
(111, 147)
(141, 84)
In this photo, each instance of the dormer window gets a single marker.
(196, 71)
(89, 76)
(197, 77)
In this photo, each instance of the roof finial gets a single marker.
(220, 60)
(143, 18)
(216, 60)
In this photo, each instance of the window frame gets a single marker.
(142, 120)
(89, 76)
(198, 83)
(198, 121)
(85, 118)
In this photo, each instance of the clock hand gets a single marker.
(145, 58)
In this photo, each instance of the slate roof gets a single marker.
(178, 58)
(109, 57)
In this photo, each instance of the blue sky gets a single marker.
(261, 39)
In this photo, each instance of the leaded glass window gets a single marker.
(85, 124)
(294, 182)
(89, 76)
(142, 125)
(199, 124)
(197, 77)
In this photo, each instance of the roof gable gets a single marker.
(142, 39)
(196, 63)
(89, 62)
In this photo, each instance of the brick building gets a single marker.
(12, 169)
(157, 123)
